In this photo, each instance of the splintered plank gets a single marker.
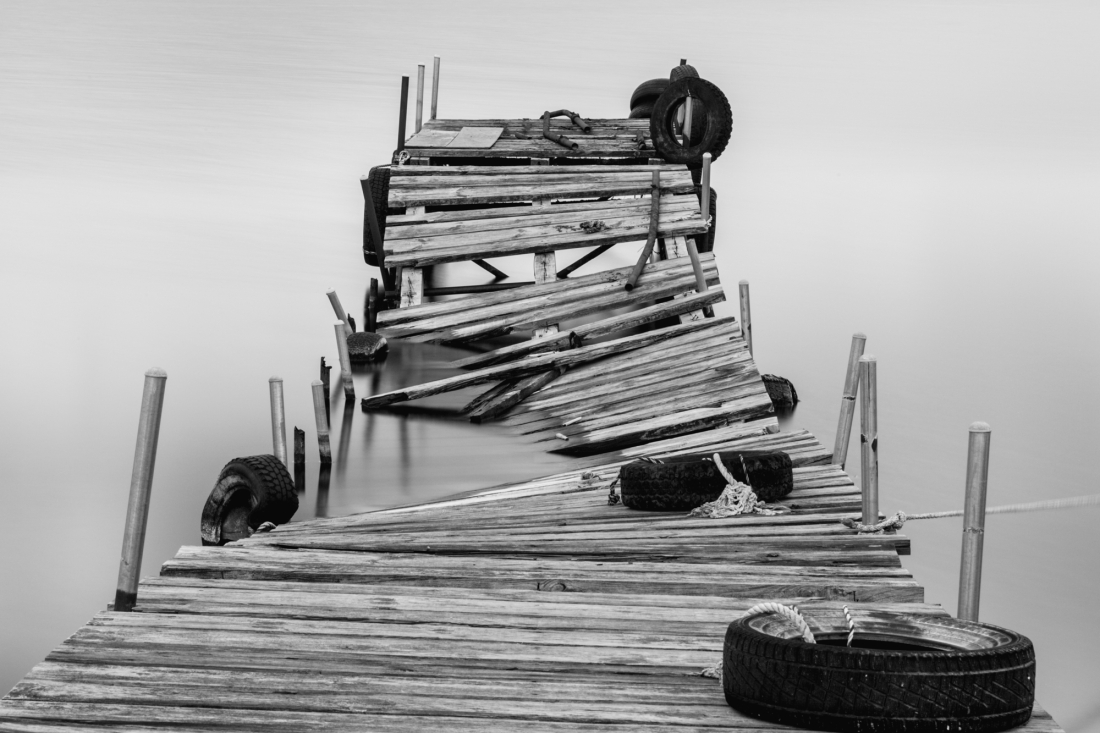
(528, 311)
(533, 364)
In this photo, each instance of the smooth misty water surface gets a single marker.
(180, 185)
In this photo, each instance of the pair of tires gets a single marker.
(663, 101)
(904, 673)
(685, 482)
(249, 491)
(647, 93)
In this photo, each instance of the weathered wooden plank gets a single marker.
(530, 365)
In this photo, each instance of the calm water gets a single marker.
(180, 187)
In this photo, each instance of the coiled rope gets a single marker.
(737, 498)
(898, 519)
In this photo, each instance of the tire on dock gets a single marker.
(904, 673)
(249, 491)
(685, 482)
(378, 183)
(711, 133)
(648, 92)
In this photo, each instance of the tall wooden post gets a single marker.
(868, 437)
(345, 359)
(746, 314)
(435, 87)
(338, 308)
(977, 482)
(320, 416)
(141, 486)
(403, 114)
(848, 401)
(704, 193)
(278, 419)
(419, 96)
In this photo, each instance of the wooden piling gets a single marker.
(321, 419)
(704, 193)
(419, 97)
(141, 485)
(326, 380)
(686, 132)
(278, 419)
(435, 87)
(746, 314)
(345, 358)
(848, 400)
(299, 446)
(977, 483)
(339, 309)
(868, 437)
(403, 113)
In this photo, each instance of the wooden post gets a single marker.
(321, 419)
(868, 436)
(977, 481)
(848, 401)
(746, 314)
(419, 96)
(403, 113)
(278, 419)
(141, 485)
(345, 359)
(299, 446)
(435, 86)
(339, 309)
(372, 306)
(325, 381)
(704, 198)
(686, 132)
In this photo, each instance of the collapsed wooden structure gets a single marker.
(536, 605)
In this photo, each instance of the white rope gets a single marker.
(898, 519)
(790, 613)
(736, 499)
(851, 625)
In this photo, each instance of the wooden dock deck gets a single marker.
(536, 606)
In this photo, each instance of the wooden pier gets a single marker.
(536, 606)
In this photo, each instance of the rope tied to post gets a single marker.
(736, 499)
(898, 519)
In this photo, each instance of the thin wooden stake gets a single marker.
(704, 198)
(977, 483)
(339, 309)
(403, 113)
(141, 486)
(848, 401)
(686, 132)
(326, 381)
(746, 314)
(321, 419)
(868, 436)
(654, 216)
(435, 86)
(278, 419)
(419, 96)
(345, 359)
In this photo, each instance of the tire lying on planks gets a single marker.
(683, 71)
(711, 133)
(642, 110)
(685, 482)
(648, 91)
(250, 491)
(903, 673)
(378, 183)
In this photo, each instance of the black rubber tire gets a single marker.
(705, 243)
(957, 676)
(258, 485)
(781, 390)
(648, 91)
(683, 71)
(717, 122)
(685, 482)
(378, 183)
(643, 110)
